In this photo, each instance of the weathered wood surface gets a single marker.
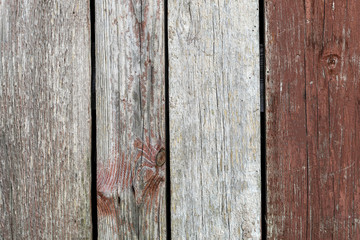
(313, 119)
(214, 119)
(45, 120)
(130, 92)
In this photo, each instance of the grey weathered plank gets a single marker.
(45, 120)
(130, 119)
(214, 119)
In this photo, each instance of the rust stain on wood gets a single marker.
(313, 118)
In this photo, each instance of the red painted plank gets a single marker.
(313, 112)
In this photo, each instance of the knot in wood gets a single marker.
(332, 60)
(161, 157)
(330, 57)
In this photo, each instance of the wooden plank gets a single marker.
(214, 119)
(130, 91)
(313, 117)
(45, 120)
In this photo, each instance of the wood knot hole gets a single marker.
(332, 61)
(161, 157)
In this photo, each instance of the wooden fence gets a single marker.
(143, 119)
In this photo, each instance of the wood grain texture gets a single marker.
(45, 120)
(130, 91)
(313, 117)
(214, 119)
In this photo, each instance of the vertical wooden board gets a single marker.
(45, 120)
(214, 119)
(313, 119)
(130, 92)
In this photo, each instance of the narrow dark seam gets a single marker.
(306, 135)
(167, 123)
(93, 124)
(140, 104)
(307, 149)
(262, 119)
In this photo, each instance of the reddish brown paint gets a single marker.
(109, 180)
(313, 117)
(147, 177)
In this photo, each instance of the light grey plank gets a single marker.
(45, 120)
(214, 119)
(130, 119)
